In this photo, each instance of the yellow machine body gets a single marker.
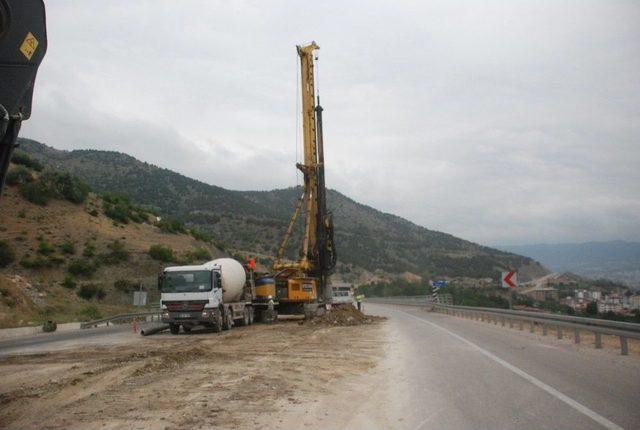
(265, 289)
(301, 290)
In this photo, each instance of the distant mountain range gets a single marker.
(616, 260)
(371, 245)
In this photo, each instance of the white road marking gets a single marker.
(538, 383)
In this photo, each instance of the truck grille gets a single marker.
(186, 306)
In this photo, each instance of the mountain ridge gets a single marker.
(618, 260)
(371, 244)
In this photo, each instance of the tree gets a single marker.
(592, 309)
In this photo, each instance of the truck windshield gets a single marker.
(186, 282)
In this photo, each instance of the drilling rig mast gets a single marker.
(305, 281)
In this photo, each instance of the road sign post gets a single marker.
(435, 287)
(510, 282)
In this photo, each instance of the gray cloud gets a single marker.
(501, 122)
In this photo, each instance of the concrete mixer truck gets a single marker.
(216, 294)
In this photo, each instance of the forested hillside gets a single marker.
(370, 243)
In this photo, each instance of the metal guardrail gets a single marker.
(120, 317)
(623, 330)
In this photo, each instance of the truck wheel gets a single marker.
(217, 325)
(174, 328)
(245, 317)
(228, 321)
(186, 329)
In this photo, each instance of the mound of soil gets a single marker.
(345, 316)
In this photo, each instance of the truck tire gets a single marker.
(174, 328)
(186, 329)
(245, 317)
(228, 321)
(217, 324)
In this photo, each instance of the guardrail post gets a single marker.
(510, 323)
(576, 335)
(544, 329)
(598, 340)
(502, 321)
(495, 320)
(559, 332)
(624, 347)
(532, 327)
(521, 325)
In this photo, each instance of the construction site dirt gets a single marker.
(244, 378)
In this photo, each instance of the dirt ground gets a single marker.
(200, 380)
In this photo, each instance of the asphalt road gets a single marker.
(66, 339)
(445, 372)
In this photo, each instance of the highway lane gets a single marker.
(444, 372)
(67, 339)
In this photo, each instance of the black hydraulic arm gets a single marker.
(23, 43)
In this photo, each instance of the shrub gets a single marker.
(69, 187)
(125, 285)
(117, 253)
(57, 185)
(119, 208)
(7, 254)
(36, 192)
(37, 263)
(69, 282)
(200, 235)
(93, 212)
(199, 254)
(45, 248)
(82, 267)
(90, 313)
(161, 253)
(55, 260)
(170, 225)
(88, 291)
(89, 249)
(24, 160)
(68, 247)
(18, 176)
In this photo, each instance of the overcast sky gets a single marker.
(504, 122)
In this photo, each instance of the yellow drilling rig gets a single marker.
(301, 286)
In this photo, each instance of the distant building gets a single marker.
(634, 302)
(543, 294)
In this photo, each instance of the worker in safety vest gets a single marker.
(252, 263)
(359, 299)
